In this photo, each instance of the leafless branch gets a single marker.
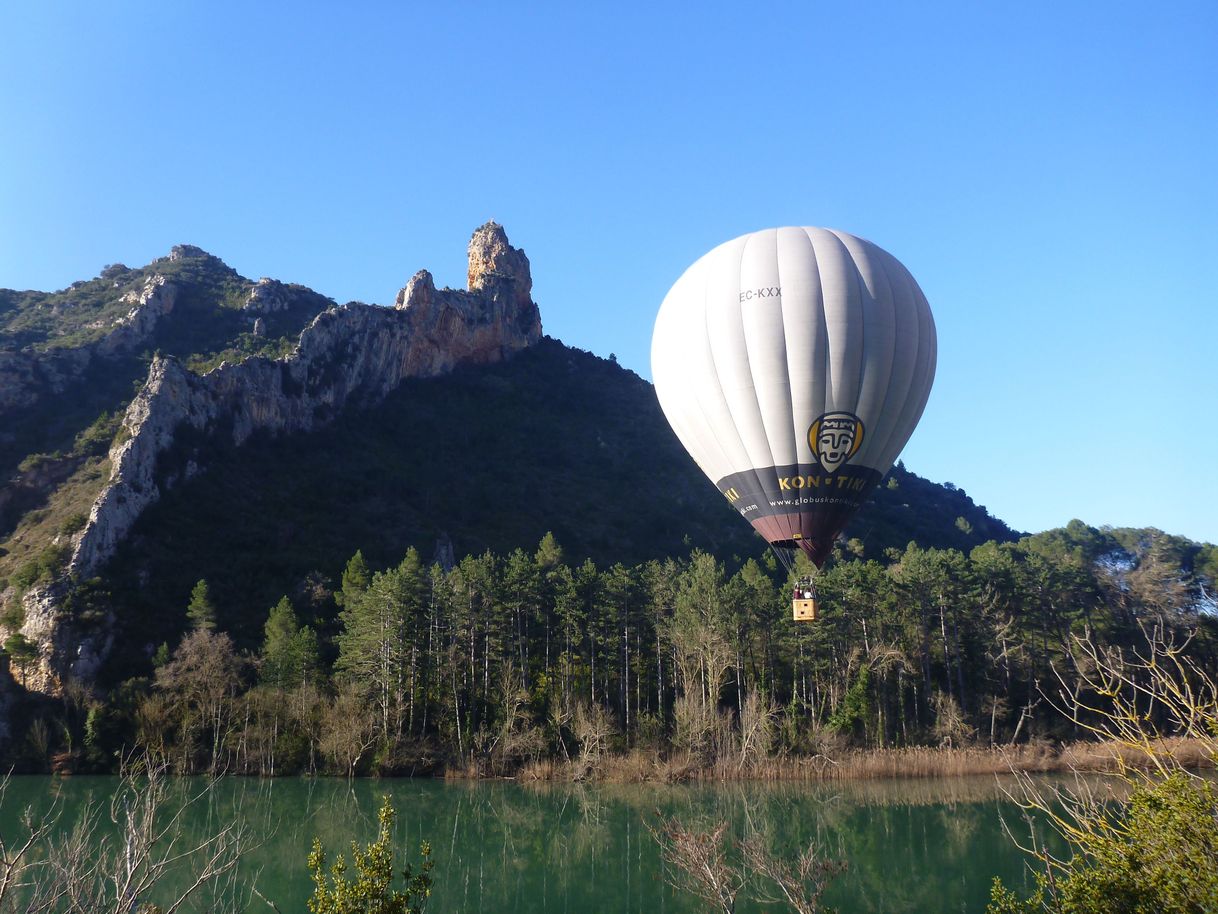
(16, 867)
(700, 863)
(801, 883)
(92, 870)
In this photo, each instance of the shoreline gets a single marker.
(910, 763)
(666, 766)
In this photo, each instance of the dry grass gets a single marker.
(1115, 756)
(639, 766)
(635, 767)
(39, 527)
(462, 771)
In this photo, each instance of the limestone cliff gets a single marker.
(350, 354)
(27, 374)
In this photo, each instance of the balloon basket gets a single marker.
(803, 603)
(803, 610)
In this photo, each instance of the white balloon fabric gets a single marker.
(793, 365)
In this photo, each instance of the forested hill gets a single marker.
(180, 422)
(490, 457)
(196, 534)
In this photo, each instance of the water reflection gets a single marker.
(921, 845)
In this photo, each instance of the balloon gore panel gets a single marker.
(793, 364)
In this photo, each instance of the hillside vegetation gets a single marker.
(491, 457)
(533, 663)
(79, 386)
(510, 566)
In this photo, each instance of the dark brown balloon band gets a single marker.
(800, 505)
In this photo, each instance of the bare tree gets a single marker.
(758, 726)
(1142, 700)
(514, 737)
(1156, 711)
(18, 853)
(799, 884)
(145, 851)
(202, 682)
(593, 728)
(348, 729)
(700, 862)
(951, 726)
(717, 870)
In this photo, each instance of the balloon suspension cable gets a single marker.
(785, 556)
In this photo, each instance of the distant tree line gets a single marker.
(506, 660)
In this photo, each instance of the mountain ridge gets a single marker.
(276, 433)
(353, 352)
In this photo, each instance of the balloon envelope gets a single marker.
(793, 365)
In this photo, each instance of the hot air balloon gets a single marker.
(793, 365)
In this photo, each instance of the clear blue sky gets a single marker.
(1046, 171)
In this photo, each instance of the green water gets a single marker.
(916, 846)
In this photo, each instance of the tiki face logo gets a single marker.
(835, 438)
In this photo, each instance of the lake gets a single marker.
(916, 846)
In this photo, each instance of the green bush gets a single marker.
(97, 437)
(43, 567)
(25, 576)
(74, 524)
(1158, 853)
(36, 461)
(21, 650)
(13, 616)
(371, 890)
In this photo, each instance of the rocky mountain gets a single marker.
(180, 422)
(346, 355)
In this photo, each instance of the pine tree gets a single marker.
(22, 651)
(356, 579)
(549, 553)
(549, 567)
(289, 650)
(375, 645)
(201, 611)
(519, 596)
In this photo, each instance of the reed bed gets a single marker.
(639, 766)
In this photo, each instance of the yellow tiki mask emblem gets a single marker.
(835, 438)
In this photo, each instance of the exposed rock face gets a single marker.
(28, 374)
(420, 291)
(66, 648)
(185, 251)
(20, 380)
(500, 284)
(154, 302)
(350, 354)
(494, 265)
(268, 296)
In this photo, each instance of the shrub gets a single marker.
(97, 437)
(13, 616)
(1157, 853)
(1158, 850)
(74, 523)
(43, 567)
(37, 461)
(371, 891)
